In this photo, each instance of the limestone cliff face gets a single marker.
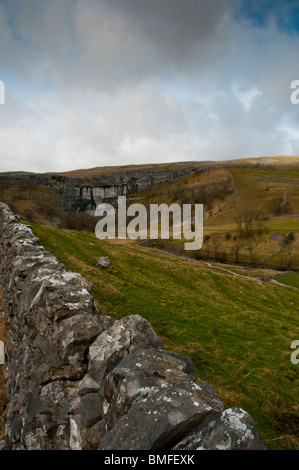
(77, 379)
(84, 191)
(88, 191)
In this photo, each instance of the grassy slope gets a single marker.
(35, 202)
(290, 280)
(237, 331)
(255, 188)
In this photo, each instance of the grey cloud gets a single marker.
(112, 42)
(172, 25)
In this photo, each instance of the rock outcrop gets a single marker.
(77, 379)
(85, 192)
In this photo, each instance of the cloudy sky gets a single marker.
(114, 82)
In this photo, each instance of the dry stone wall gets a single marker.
(76, 379)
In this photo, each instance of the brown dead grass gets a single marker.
(288, 424)
(81, 173)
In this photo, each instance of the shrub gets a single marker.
(278, 206)
(28, 214)
(289, 238)
(80, 221)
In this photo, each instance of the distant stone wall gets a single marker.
(77, 379)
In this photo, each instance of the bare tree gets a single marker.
(216, 245)
(207, 245)
(287, 258)
(250, 223)
(239, 243)
(289, 238)
(251, 247)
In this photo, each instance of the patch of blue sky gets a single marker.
(285, 13)
(47, 87)
(25, 43)
(25, 90)
(14, 86)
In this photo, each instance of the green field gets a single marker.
(237, 331)
(290, 280)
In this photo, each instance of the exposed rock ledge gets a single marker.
(79, 380)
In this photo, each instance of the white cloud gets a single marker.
(246, 96)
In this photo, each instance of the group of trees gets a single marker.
(251, 224)
(248, 239)
(213, 248)
(279, 206)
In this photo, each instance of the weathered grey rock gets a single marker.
(2, 353)
(160, 362)
(75, 334)
(91, 409)
(3, 444)
(140, 374)
(88, 385)
(116, 342)
(83, 437)
(95, 434)
(104, 262)
(60, 398)
(233, 429)
(161, 419)
(56, 222)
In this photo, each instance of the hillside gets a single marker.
(278, 160)
(236, 329)
(83, 186)
(231, 306)
(261, 195)
(251, 214)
